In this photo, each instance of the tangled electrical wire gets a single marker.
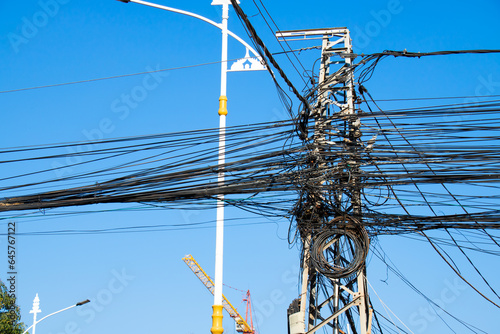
(455, 147)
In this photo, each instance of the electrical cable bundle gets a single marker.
(265, 169)
(179, 167)
(340, 248)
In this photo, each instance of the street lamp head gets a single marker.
(125, 1)
(86, 301)
(36, 305)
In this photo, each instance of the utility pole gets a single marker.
(329, 212)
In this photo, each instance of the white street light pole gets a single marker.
(36, 309)
(219, 235)
(255, 65)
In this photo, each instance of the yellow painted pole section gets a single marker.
(217, 309)
(217, 320)
(223, 105)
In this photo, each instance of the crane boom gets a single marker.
(241, 325)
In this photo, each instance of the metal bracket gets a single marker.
(247, 64)
(222, 2)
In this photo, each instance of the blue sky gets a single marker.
(137, 281)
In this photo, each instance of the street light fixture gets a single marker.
(36, 309)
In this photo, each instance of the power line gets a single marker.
(277, 29)
(266, 54)
(438, 98)
(111, 77)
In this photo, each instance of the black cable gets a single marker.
(266, 54)
(111, 77)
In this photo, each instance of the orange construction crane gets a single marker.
(242, 325)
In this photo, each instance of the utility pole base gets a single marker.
(217, 320)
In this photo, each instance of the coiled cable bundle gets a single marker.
(340, 249)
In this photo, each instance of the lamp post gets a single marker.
(217, 327)
(255, 65)
(36, 309)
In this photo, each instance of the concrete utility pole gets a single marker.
(329, 213)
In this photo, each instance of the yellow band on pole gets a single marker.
(217, 320)
(222, 105)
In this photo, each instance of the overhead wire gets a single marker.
(111, 77)
(435, 214)
(284, 51)
(266, 54)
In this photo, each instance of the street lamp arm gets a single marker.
(183, 12)
(64, 309)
